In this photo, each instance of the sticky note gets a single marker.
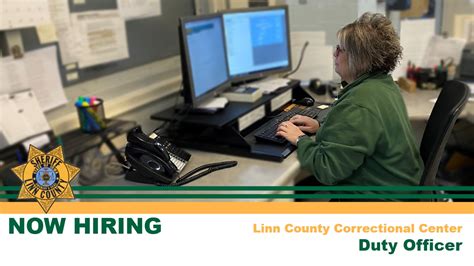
(72, 76)
(72, 66)
(46, 33)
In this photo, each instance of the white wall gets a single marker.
(322, 15)
(122, 92)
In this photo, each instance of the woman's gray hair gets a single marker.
(371, 44)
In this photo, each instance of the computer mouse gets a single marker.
(306, 101)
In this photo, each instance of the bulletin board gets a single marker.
(149, 39)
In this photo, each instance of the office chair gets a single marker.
(447, 108)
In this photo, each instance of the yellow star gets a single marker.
(46, 177)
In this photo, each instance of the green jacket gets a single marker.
(366, 139)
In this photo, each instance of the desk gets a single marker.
(248, 172)
(252, 172)
(74, 143)
(419, 105)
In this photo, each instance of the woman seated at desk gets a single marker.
(366, 139)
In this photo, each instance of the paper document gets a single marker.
(103, 37)
(20, 117)
(137, 9)
(13, 75)
(318, 62)
(414, 38)
(38, 141)
(440, 48)
(15, 14)
(43, 74)
(68, 43)
(214, 103)
(269, 85)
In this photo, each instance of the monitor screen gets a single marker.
(257, 42)
(204, 51)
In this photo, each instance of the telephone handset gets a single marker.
(154, 160)
(137, 137)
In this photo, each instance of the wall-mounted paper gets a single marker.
(414, 38)
(46, 33)
(103, 37)
(68, 43)
(20, 117)
(72, 76)
(16, 14)
(440, 48)
(43, 74)
(138, 9)
(70, 67)
(13, 75)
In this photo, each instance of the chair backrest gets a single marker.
(447, 108)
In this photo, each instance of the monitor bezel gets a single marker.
(189, 92)
(261, 73)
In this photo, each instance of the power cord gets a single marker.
(202, 171)
(300, 61)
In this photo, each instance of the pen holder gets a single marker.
(92, 116)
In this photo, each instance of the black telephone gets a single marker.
(154, 160)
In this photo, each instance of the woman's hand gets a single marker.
(306, 124)
(289, 131)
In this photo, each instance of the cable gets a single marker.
(180, 91)
(209, 168)
(300, 61)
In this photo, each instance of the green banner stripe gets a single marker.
(260, 188)
(264, 196)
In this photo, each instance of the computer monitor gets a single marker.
(203, 58)
(257, 42)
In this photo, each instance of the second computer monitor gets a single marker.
(257, 42)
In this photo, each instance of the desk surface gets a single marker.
(418, 104)
(252, 172)
(248, 172)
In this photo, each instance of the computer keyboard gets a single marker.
(267, 131)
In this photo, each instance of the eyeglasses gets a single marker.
(338, 50)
